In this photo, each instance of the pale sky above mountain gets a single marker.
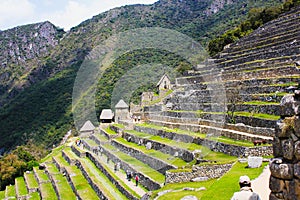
(62, 13)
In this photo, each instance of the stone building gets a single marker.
(285, 167)
(87, 128)
(164, 83)
(106, 116)
(121, 111)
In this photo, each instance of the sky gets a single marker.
(62, 13)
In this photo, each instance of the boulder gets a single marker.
(254, 161)
(190, 197)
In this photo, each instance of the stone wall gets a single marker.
(285, 167)
(205, 172)
(154, 163)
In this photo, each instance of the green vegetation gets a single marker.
(260, 103)
(258, 115)
(2, 194)
(20, 184)
(121, 126)
(109, 131)
(228, 184)
(153, 153)
(10, 191)
(175, 130)
(31, 181)
(256, 18)
(34, 196)
(47, 191)
(227, 140)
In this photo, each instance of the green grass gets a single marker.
(2, 194)
(228, 184)
(159, 99)
(207, 153)
(153, 153)
(64, 189)
(82, 187)
(47, 191)
(41, 174)
(101, 180)
(101, 137)
(34, 196)
(121, 126)
(227, 140)
(54, 152)
(109, 131)
(10, 191)
(136, 164)
(258, 115)
(32, 182)
(175, 130)
(22, 190)
(260, 103)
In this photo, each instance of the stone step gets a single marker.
(189, 118)
(45, 186)
(149, 178)
(78, 183)
(99, 182)
(61, 186)
(155, 159)
(20, 187)
(31, 183)
(10, 192)
(211, 130)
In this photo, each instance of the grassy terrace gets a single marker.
(258, 103)
(42, 177)
(109, 131)
(31, 181)
(176, 130)
(47, 191)
(207, 153)
(153, 153)
(64, 189)
(100, 137)
(84, 190)
(121, 126)
(136, 164)
(2, 194)
(20, 184)
(227, 140)
(221, 189)
(34, 196)
(10, 191)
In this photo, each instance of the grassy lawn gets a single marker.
(176, 130)
(153, 153)
(22, 190)
(31, 181)
(54, 152)
(136, 164)
(47, 191)
(121, 126)
(34, 196)
(41, 174)
(224, 187)
(227, 140)
(101, 137)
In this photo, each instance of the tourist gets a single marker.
(136, 180)
(115, 167)
(246, 192)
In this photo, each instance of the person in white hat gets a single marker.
(246, 192)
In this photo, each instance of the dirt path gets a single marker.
(260, 185)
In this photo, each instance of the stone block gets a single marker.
(274, 196)
(148, 145)
(287, 149)
(276, 185)
(293, 189)
(254, 161)
(297, 150)
(189, 197)
(297, 126)
(199, 179)
(278, 129)
(297, 170)
(289, 106)
(283, 170)
(277, 150)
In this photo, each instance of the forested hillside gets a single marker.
(39, 108)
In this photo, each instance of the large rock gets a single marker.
(254, 161)
(287, 149)
(297, 150)
(283, 170)
(276, 185)
(289, 106)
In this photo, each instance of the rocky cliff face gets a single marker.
(21, 49)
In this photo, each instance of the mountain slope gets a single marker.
(40, 99)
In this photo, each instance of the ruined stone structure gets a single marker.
(285, 168)
(121, 111)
